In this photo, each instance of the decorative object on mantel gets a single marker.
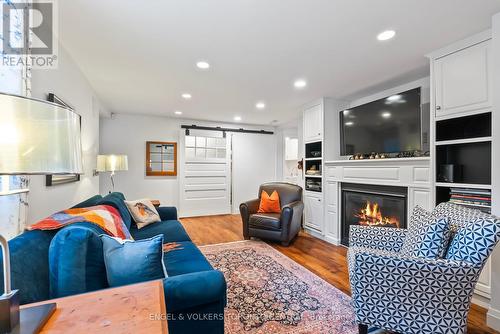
(161, 158)
(374, 155)
(36, 138)
(112, 163)
(54, 180)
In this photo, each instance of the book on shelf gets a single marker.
(476, 198)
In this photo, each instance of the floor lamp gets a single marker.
(36, 138)
(112, 163)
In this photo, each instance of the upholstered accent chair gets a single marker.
(408, 294)
(282, 226)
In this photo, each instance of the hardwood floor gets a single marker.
(325, 260)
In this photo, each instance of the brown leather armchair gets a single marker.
(282, 226)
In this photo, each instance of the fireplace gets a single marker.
(372, 205)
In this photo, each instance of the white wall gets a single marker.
(127, 134)
(494, 311)
(254, 163)
(67, 82)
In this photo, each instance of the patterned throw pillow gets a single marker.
(418, 220)
(434, 239)
(426, 237)
(143, 212)
(474, 242)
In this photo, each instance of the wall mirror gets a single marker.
(161, 158)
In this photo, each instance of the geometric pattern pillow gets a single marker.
(475, 241)
(432, 244)
(416, 231)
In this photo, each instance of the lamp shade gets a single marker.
(112, 163)
(38, 137)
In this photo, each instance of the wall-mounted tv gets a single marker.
(388, 125)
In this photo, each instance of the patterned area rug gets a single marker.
(270, 293)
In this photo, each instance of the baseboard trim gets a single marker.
(331, 240)
(314, 233)
(493, 318)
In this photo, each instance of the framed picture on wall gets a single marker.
(54, 180)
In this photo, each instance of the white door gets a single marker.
(463, 80)
(331, 216)
(205, 175)
(313, 123)
(313, 212)
(253, 163)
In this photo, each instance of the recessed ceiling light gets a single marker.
(300, 83)
(386, 35)
(260, 105)
(178, 112)
(237, 118)
(394, 98)
(349, 123)
(186, 96)
(203, 65)
(386, 114)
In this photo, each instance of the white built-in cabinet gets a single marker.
(461, 75)
(320, 126)
(313, 211)
(332, 230)
(291, 149)
(313, 123)
(463, 80)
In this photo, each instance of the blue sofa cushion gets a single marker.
(76, 261)
(129, 262)
(167, 212)
(92, 201)
(185, 260)
(195, 289)
(29, 265)
(171, 230)
(117, 201)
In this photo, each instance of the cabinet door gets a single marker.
(313, 123)
(463, 80)
(331, 216)
(314, 213)
(291, 149)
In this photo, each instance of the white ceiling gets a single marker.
(140, 55)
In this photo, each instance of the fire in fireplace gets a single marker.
(371, 215)
(372, 205)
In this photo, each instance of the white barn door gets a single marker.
(205, 174)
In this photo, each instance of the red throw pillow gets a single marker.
(269, 204)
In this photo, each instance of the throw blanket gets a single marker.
(104, 216)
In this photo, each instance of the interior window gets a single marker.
(200, 148)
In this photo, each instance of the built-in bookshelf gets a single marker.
(313, 166)
(463, 161)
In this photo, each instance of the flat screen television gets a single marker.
(388, 125)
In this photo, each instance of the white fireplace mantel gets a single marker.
(413, 173)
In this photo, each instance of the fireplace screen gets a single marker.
(370, 205)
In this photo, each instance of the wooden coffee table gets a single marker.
(138, 308)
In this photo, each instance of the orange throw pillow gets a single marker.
(269, 204)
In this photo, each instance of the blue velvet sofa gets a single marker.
(69, 261)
